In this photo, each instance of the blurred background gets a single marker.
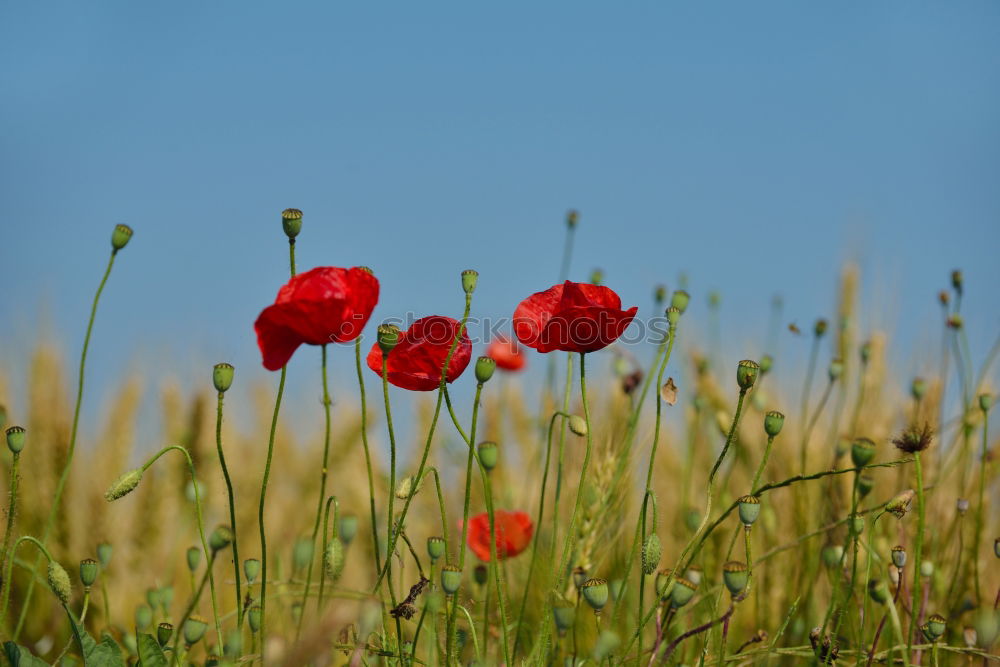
(753, 147)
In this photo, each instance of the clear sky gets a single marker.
(755, 146)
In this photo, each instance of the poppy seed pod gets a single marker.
(956, 280)
(835, 369)
(419, 354)
(436, 547)
(470, 277)
(489, 454)
(934, 628)
(388, 337)
(865, 484)
(15, 439)
(927, 569)
(164, 631)
(194, 629)
(578, 425)
(820, 327)
(291, 222)
(220, 538)
(166, 598)
(120, 237)
(918, 388)
(564, 615)
(124, 485)
(193, 558)
(682, 593)
(862, 451)
(572, 218)
(954, 321)
(333, 559)
(749, 509)
(480, 574)
(254, 618)
(484, 369)
(222, 377)
(985, 402)
(856, 524)
(680, 300)
(596, 593)
(88, 572)
(251, 568)
(735, 576)
(746, 373)
(606, 644)
(596, 277)
(143, 617)
(878, 591)
(348, 527)
(899, 556)
(673, 316)
(59, 582)
(153, 598)
(832, 554)
(579, 576)
(104, 551)
(659, 294)
(943, 298)
(652, 549)
(766, 364)
(451, 579)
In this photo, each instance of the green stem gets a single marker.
(195, 597)
(494, 559)
(324, 542)
(368, 456)
(232, 509)
(763, 462)
(11, 514)
(806, 390)
(8, 570)
(390, 521)
(981, 510)
(917, 555)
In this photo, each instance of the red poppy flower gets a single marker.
(507, 353)
(325, 305)
(416, 361)
(573, 317)
(513, 532)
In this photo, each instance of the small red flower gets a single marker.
(507, 353)
(572, 317)
(416, 361)
(325, 305)
(513, 532)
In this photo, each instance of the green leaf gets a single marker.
(105, 654)
(150, 653)
(21, 657)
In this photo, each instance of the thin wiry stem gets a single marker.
(232, 509)
(368, 456)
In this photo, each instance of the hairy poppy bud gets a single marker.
(436, 547)
(470, 277)
(484, 369)
(222, 377)
(680, 300)
(251, 568)
(956, 280)
(651, 552)
(820, 327)
(595, 592)
(407, 488)
(15, 439)
(918, 388)
(746, 373)
(254, 618)
(862, 452)
(934, 627)
(749, 509)
(606, 644)
(291, 222)
(104, 554)
(333, 559)
(682, 593)
(451, 579)
(193, 558)
(985, 402)
(865, 484)
(489, 454)
(143, 617)
(564, 615)
(120, 237)
(59, 582)
(388, 336)
(348, 527)
(164, 631)
(596, 277)
(659, 294)
(835, 369)
(194, 630)
(735, 576)
(572, 218)
(900, 503)
(220, 538)
(578, 425)
(899, 556)
(124, 485)
(927, 569)
(878, 591)
(88, 572)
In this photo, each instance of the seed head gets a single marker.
(878, 591)
(596, 277)
(865, 484)
(388, 336)
(193, 558)
(746, 373)
(194, 629)
(956, 280)
(451, 579)
(59, 582)
(607, 643)
(15, 439)
(682, 593)
(735, 576)
(680, 300)
(673, 315)
(120, 237)
(254, 617)
(595, 592)
(899, 556)
(943, 298)
(659, 294)
(104, 551)
(88, 572)
(914, 439)
(693, 574)
(865, 352)
(291, 222)
(489, 455)
(832, 555)
(766, 364)
(962, 506)
(773, 421)
(820, 327)
(579, 576)
(302, 552)
(749, 509)
(862, 451)
(927, 569)
(222, 377)
(934, 627)
(470, 277)
(572, 218)
(164, 631)
(124, 485)
(985, 402)
(251, 568)
(835, 369)
(220, 538)
(564, 615)
(143, 617)
(436, 547)
(484, 369)
(918, 387)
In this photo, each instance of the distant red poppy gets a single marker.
(507, 353)
(416, 361)
(513, 531)
(324, 305)
(573, 317)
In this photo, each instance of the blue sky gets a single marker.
(754, 146)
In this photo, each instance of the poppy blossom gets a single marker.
(327, 304)
(572, 317)
(507, 353)
(513, 532)
(416, 361)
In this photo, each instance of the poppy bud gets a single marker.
(595, 592)
(302, 552)
(766, 363)
(899, 556)
(59, 582)
(651, 552)
(578, 425)
(291, 222)
(820, 327)
(220, 538)
(878, 591)
(659, 294)
(480, 574)
(962, 506)
(143, 617)
(164, 631)
(579, 576)
(956, 280)
(746, 373)
(489, 454)
(153, 598)
(166, 598)
(469, 279)
(254, 618)
(862, 452)
(985, 402)
(124, 485)
(680, 300)
(749, 509)
(451, 579)
(436, 547)
(407, 488)
(564, 615)
(222, 377)
(865, 484)
(694, 575)
(735, 576)
(120, 237)
(835, 370)
(194, 629)
(388, 336)
(692, 519)
(15, 439)
(251, 568)
(193, 558)
(866, 352)
(934, 627)
(927, 569)
(900, 503)
(682, 593)
(88, 572)
(484, 369)
(104, 554)
(856, 524)
(348, 528)
(606, 644)
(918, 388)
(832, 554)
(572, 217)
(333, 559)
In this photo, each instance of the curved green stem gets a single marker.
(232, 509)
(323, 543)
(8, 570)
(368, 456)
